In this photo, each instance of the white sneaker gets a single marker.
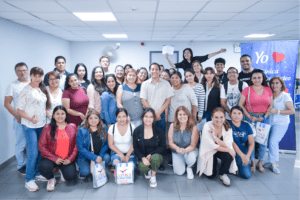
(31, 186)
(153, 182)
(225, 179)
(62, 179)
(40, 178)
(51, 184)
(190, 174)
(148, 176)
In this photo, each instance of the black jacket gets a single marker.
(46, 82)
(213, 100)
(139, 145)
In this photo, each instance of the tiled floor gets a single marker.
(266, 186)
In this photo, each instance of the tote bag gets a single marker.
(124, 173)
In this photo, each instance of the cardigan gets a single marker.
(213, 100)
(84, 143)
(47, 146)
(139, 144)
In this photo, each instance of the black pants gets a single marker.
(46, 167)
(226, 160)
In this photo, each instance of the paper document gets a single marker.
(169, 49)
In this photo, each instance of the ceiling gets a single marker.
(159, 20)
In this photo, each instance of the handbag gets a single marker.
(92, 164)
(124, 173)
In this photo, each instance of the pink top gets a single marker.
(258, 103)
(79, 102)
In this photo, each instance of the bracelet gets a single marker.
(215, 137)
(278, 112)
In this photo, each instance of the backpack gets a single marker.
(114, 129)
(240, 86)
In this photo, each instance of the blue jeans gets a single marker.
(245, 171)
(161, 123)
(32, 136)
(115, 156)
(20, 144)
(207, 115)
(276, 134)
(84, 164)
(261, 147)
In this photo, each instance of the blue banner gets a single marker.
(277, 58)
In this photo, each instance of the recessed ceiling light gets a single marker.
(115, 35)
(258, 35)
(106, 16)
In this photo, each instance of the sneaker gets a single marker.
(153, 182)
(170, 163)
(275, 169)
(148, 176)
(40, 178)
(190, 174)
(62, 179)
(31, 186)
(81, 176)
(51, 184)
(22, 170)
(225, 179)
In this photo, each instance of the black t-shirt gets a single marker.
(149, 145)
(85, 84)
(186, 65)
(244, 77)
(222, 78)
(97, 142)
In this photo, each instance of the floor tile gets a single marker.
(192, 189)
(66, 191)
(237, 178)
(16, 178)
(282, 187)
(288, 197)
(296, 183)
(218, 189)
(238, 197)
(136, 190)
(7, 175)
(253, 187)
(162, 198)
(11, 191)
(107, 190)
(163, 189)
(197, 198)
(291, 174)
(261, 197)
(42, 193)
(268, 175)
(102, 198)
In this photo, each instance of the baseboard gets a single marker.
(8, 162)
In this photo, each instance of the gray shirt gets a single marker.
(182, 140)
(185, 96)
(156, 94)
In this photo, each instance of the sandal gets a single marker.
(252, 169)
(261, 169)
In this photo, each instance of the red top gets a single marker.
(79, 102)
(48, 147)
(62, 144)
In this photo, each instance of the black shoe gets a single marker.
(170, 163)
(22, 170)
(161, 167)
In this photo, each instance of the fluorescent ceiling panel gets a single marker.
(258, 35)
(105, 16)
(115, 35)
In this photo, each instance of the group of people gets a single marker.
(66, 120)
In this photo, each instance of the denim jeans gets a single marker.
(84, 164)
(181, 160)
(207, 115)
(245, 171)
(161, 123)
(32, 136)
(115, 156)
(276, 134)
(261, 153)
(20, 144)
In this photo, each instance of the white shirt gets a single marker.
(279, 104)
(123, 143)
(14, 89)
(54, 102)
(33, 102)
(207, 94)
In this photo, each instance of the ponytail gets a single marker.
(45, 91)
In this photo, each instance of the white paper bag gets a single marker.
(99, 175)
(124, 173)
(262, 133)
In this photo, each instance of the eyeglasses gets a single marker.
(54, 79)
(22, 71)
(232, 73)
(118, 71)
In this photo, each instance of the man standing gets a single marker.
(246, 63)
(60, 64)
(231, 91)
(220, 65)
(12, 94)
(104, 62)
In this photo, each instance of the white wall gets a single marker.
(22, 44)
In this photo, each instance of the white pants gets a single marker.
(180, 160)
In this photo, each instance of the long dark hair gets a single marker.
(100, 126)
(138, 71)
(114, 92)
(178, 74)
(99, 88)
(219, 109)
(38, 71)
(148, 110)
(193, 72)
(264, 83)
(197, 61)
(67, 85)
(53, 121)
(121, 110)
(81, 65)
(215, 79)
(191, 52)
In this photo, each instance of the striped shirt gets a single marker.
(200, 95)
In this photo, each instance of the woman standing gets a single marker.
(192, 81)
(75, 100)
(183, 138)
(33, 102)
(54, 92)
(142, 75)
(197, 67)
(128, 97)
(210, 83)
(127, 67)
(242, 135)
(58, 148)
(95, 89)
(216, 142)
(149, 143)
(255, 101)
(81, 72)
(166, 75)
(282, 108)
(93, 130)
(119, 71)
(120, 139)
(108, 99)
